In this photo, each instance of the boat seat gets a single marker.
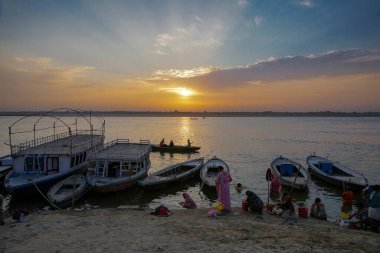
(326, 167)
(286, 170)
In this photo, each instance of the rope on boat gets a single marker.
(53, 205)
(200, 189)
(292, 187)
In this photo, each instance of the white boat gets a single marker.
(210, 170)
(43, 161)
(335, 173)
(179, 172)
(67, 191)
(118, 165)
(290, 173)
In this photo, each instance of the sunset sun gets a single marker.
(184, 92)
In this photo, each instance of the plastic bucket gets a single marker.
(345, 215)
(244, 205)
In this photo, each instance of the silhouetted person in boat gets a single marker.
(171, 144)
(162, 143)
(188, 143)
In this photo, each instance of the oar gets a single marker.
(268, 177)
(291, 189)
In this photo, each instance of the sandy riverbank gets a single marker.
(126, 230)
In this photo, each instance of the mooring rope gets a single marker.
(55, 206)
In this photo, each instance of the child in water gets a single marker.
(239, 187)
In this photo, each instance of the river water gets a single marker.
(247, 144)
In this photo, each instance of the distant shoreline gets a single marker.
(204, 114)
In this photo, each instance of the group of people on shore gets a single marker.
(368, 210)
(367, 214)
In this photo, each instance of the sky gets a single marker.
(166, 55)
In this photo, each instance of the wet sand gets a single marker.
(134, 230)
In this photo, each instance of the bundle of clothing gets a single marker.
(162, 211)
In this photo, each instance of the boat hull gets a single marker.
(114, 187)
(175, 149)
(68, 200)
(158, 181)
(208, 173)
(4, 170)
(342, 182)
(298, 182)
(29, 189)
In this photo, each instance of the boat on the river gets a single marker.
(67, 191)
(179, 172)
(210, 170)
(118, 165)
(174, 149)
(335, 173)
(290, 173)
(45, 159)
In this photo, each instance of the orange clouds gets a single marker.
(336, 81)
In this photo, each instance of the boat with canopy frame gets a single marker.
(62, 139)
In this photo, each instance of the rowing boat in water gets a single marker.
(179, 172)
(210, 170)
(335, 173)
(67, 191)
(175, 149)
(290, 173)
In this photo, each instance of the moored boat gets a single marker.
(175, 149)
(210, 170)
(43, 161)
(335, 173)
(290, 173)
(179, 172)
(67, 191)
(118, 165)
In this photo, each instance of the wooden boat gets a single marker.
(175, 149)
(290, 173)
(40, 162)
(179, 172)
(67, 191)
(210, 170)
(118, 165)
(335, 173)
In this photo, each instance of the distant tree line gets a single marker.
(204, 114)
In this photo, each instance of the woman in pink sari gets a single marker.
(189, 202)
(223, 188)
(275, 185)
